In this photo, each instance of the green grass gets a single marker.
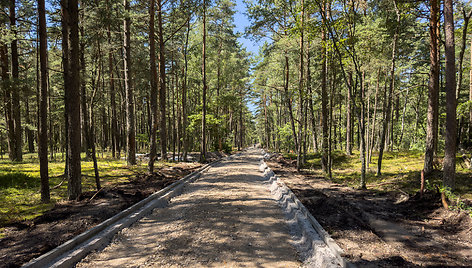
(400, 170)
(20, 184)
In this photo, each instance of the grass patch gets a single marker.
(20, 183)
(400, 170)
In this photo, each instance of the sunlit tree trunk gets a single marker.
(203, 139)
(153, 98)
(130, 116)
(449, 162)
(433, 90)
(390, 93)
(162, 82)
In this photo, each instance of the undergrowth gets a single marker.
(20, 197)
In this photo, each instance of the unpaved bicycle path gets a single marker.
(227, 218)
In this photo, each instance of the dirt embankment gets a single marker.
(26, 240)
(383, 229)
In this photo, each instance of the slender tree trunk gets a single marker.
(470, 94)
(324, 100)
(153, 98)
(114, 123)
(390, 93)
(70, 20)
(162, 82)
(288, 100)
(83, 100)
(403, 115)
(449, 162)
(349, 118)
(8, 104)
(301, 93)
(184, 97)
(466, 18)
(433, 89)
(43, 105)
(203, 140)
(15, 90)
(362, 133)
(374, 118)
(130, 114)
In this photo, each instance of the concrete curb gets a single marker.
(298, 212)
(72, 251)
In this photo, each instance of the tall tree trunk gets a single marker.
(83, 100)
(449, 162)
(184, 96)
(43, 105)
(114, 123)
(301, 91)
(203, 139)
(153, 98)
(433, 89)
(470, 93)
(70, 21)
(362, 133)
(28, 130)
(130, 116)
(162, 82)
(288, 101)
(390, 93)
(349, 117)
(466, 18)
(374, 118)
(7, 99)
(15, 90)
(324, 99)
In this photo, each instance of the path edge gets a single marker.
(276, 182)
(73, 250)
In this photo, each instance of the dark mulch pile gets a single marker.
(29, 239)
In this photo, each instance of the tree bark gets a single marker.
(162, 82)
(43, 105)
(70, 20)
(15, 90)
(449, 162)
(203, 139)
(301, 92)
(470, 94)
(433, 90)
(390, 93)
(184, 97)
(349, 117)
(324, 99)
(153, 98)
(7, 98)
(130, 116)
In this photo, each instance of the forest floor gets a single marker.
(388, 225)
(33, 229)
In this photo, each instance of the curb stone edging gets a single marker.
(72, 251)
(294, 206)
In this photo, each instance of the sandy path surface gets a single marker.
(227, 218)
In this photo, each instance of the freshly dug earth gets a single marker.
(227, 218)
(383, 229)
(26, 240)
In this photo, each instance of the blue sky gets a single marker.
(241, 21)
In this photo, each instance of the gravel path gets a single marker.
(227, 218)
